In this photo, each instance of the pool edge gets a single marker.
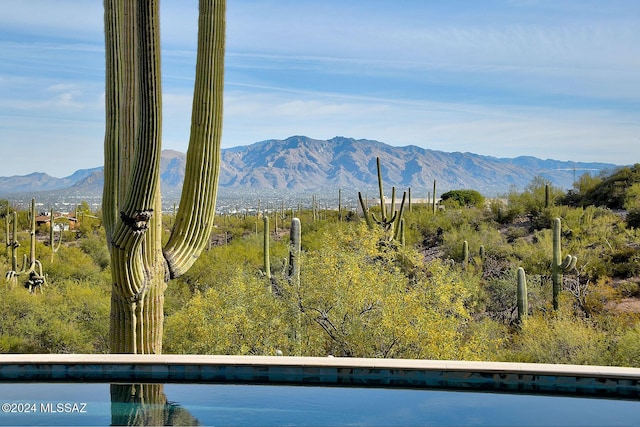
(583, 380)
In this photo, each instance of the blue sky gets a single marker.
(555, 79)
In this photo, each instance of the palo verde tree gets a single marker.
(140, 266)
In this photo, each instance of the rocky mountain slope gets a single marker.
(302, 164)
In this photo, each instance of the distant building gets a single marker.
(44, 219)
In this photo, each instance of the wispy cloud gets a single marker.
(548, 78)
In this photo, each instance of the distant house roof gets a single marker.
(45, 219)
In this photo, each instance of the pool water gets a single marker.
(269, 405)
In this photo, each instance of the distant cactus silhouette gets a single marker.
(389, 222)
(31, 267)
(559, 265)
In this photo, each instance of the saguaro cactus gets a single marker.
(547, 196)
(465, 253)
(52, 242)
(12, 245)
(434, 197)
(559, 264)
(131, 197)
(521, 293)
(295, 250)
(389, 222)
(267, 262)
(31, 267)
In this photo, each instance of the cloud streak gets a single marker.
(552, 79)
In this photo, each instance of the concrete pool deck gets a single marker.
(583, 380)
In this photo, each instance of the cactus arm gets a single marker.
(398, 217)
(198, 201)
(559, 265)
(393, 200)
(566, 262)
(365, 211)
(383, 206)
(52, 243)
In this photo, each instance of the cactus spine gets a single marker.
(559, 265)
(131, 196)
(523, 305)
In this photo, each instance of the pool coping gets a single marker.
(583, 380)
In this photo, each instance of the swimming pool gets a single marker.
(228, 390)
(264, 405)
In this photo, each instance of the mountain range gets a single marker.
(300, 164)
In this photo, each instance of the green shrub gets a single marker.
(466, 198)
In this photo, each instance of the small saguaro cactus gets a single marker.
(295, 249)
(559, 264)
(52, 242)
(523, 304)
(6, 234)
(465, 253)
(12, 245)
(267, 263)
(434, 196)
(547, 196)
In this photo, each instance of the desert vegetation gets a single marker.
(448, 289)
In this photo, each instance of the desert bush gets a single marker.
(67, 318)
(626, 351)
(559, 337)
(237, 315)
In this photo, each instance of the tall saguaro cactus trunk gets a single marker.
(131, 197)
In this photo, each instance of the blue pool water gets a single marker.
(264, 405)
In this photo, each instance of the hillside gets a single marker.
(301, 164)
